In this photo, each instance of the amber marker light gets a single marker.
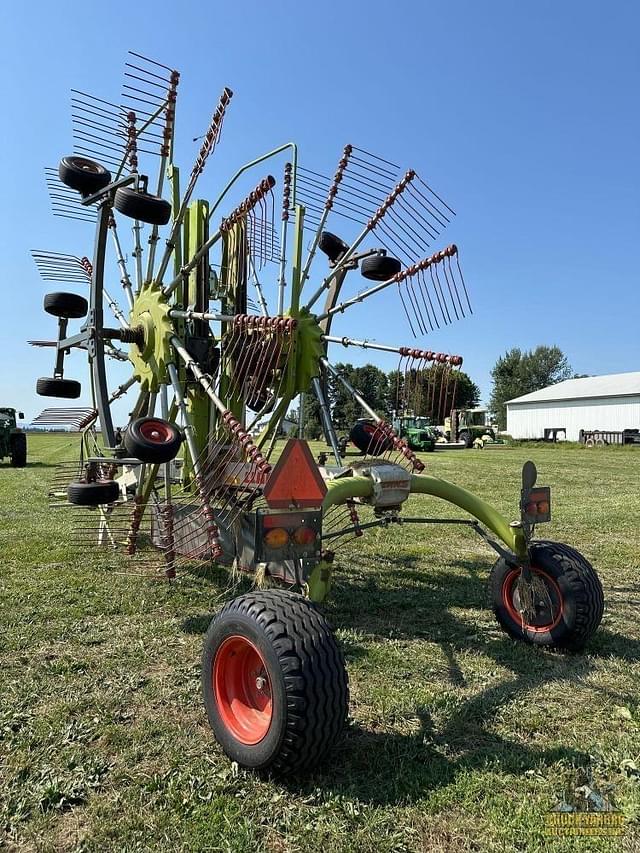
(277, 537)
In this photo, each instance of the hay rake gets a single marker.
(220, 328)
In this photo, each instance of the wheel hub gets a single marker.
(152, 351)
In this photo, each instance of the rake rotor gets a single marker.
(226, 374)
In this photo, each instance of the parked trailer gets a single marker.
(594, 437)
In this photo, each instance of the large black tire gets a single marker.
(93, 494)
(569, 614)
(18, 445)
(69, 389)
(82, 174)
(152, 440)
(274, 682)
(379, 267)
(142, 206)
(465, 436)
(368, 439)
(332, 246)
(69, 305)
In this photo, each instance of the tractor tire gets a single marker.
(93, 494)
(82, 174)
(466, 437)
(68, 305)
(368, 439)
(18, 447)
(573, 606)
(69, 389)
(379, 267)
(333, 247)
(274, 682)
(142, 206)
(152, 440)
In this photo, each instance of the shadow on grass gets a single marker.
(385, 768)
(388, 767)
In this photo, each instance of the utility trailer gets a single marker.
(598, 438)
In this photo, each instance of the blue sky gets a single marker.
(523, 115)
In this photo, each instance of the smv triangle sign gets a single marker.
(296, 480)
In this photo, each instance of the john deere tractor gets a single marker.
(13, 441)
(469, 425)
(418, 432)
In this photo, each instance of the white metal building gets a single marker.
(605, 403)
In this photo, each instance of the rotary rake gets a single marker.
(226, 321)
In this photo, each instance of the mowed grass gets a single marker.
(459, 739)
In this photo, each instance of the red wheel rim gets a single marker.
(156, 432)
(548, 612)
(243, 690)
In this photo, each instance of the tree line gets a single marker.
(425, 393)
(514, 374)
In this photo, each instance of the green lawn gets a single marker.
(459, 739)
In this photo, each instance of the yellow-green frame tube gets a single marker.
(342, 489)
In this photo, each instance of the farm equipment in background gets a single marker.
(419, 433)
(469, 428)
(601, 438)
(416, 431)
(13, 440)
(205, 376)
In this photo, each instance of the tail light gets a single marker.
(277, 537)
(304, 536)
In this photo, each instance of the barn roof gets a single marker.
(612, 385)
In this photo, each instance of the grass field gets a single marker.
(459, 739)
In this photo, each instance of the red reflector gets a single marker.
(296, 480)
(304, 536)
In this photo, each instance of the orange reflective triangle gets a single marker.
(296, 480)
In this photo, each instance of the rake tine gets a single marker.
(150, 61)
(420, 286)
(79, 218)
(464, 286)
(435, 195)
(406, 311)
(432, 230)
(448, 273)
(154, 104)
(436, 287)
(388, 173)
(94, 98)
(451, 292)
(421, 210)
(146, 81)
(146, 71)
(376, 157)
(425, 289)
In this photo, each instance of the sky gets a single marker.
(522, 115)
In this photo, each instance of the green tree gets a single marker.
(311, 413)
(373, 385)
(517, 373)
(431, 393)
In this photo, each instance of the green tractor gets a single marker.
(13, 441)
(417, 431)
(470, 426)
